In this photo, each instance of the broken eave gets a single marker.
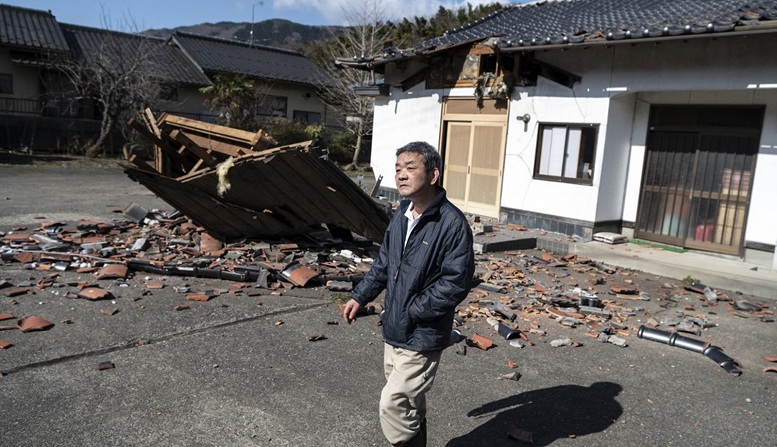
(273, 194)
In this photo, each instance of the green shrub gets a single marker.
(341, 147)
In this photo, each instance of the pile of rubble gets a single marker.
(168, 243)
(234, 184)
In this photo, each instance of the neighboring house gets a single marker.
(290, 79)
(29, 39)
(654, 118)
(39, 108)
(179, 76)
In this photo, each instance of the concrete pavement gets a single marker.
(715, 271)
(241, 370)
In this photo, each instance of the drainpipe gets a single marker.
(674, 339)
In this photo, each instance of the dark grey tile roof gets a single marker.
(30, 29)
(275, 64)
(168, 61)
(570, 22)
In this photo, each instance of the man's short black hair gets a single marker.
(429, 154)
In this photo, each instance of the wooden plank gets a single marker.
(172, 153)
(149, 115)
(228, 133)
(221, 147)
(150, 121)
(141, 164)
(203, 154)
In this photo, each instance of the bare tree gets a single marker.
(365, 35)
(120, 72)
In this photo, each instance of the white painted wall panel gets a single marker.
(402, 118)
(762, 220)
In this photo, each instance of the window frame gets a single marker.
(591, 141)
(6, 79)
(276, 106)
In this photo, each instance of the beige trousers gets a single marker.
(409, 376)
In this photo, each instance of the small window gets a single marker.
(566, 153)
(307, 117)
(271, 105)
(6, 83)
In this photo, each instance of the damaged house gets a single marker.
(650, 118)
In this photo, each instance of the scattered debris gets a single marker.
(481, 342)
(33, 323)
(102, 366)
(561, 342)
(610, 238)
(510, 376)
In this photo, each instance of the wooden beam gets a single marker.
(141, 164)
(236, 136)
(203, 154)
(172, 153)
(215, 145)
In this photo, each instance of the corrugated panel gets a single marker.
(287, 193)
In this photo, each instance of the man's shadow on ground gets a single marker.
(548, 414)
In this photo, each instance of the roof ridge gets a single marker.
(72, 26)
(236, 42)
(23, 8)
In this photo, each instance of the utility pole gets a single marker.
(253, 7)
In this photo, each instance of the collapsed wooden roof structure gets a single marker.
(229, 182)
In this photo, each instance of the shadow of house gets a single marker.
(549, 414)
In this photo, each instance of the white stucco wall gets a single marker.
(401, 118)
(762, 220)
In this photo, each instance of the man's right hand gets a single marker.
(350, 309)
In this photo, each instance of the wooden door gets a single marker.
(474, 156)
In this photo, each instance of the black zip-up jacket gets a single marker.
(426, 280)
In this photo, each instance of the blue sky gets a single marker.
(138, 15)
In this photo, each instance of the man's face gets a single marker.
(411, 176)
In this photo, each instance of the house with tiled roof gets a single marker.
(650, 118)
(290, 79)
(41, 110)
(28, 38)
(180, 77)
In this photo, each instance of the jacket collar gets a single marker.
(434, 206)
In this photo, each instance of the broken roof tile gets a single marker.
(481, 342)
(112, 271)
(93, 293)
(33, 323)
(15, 291)
(298, 274)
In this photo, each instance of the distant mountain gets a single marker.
(273, 32)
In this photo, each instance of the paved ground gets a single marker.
(241, 370)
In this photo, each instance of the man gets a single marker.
(425, 264)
